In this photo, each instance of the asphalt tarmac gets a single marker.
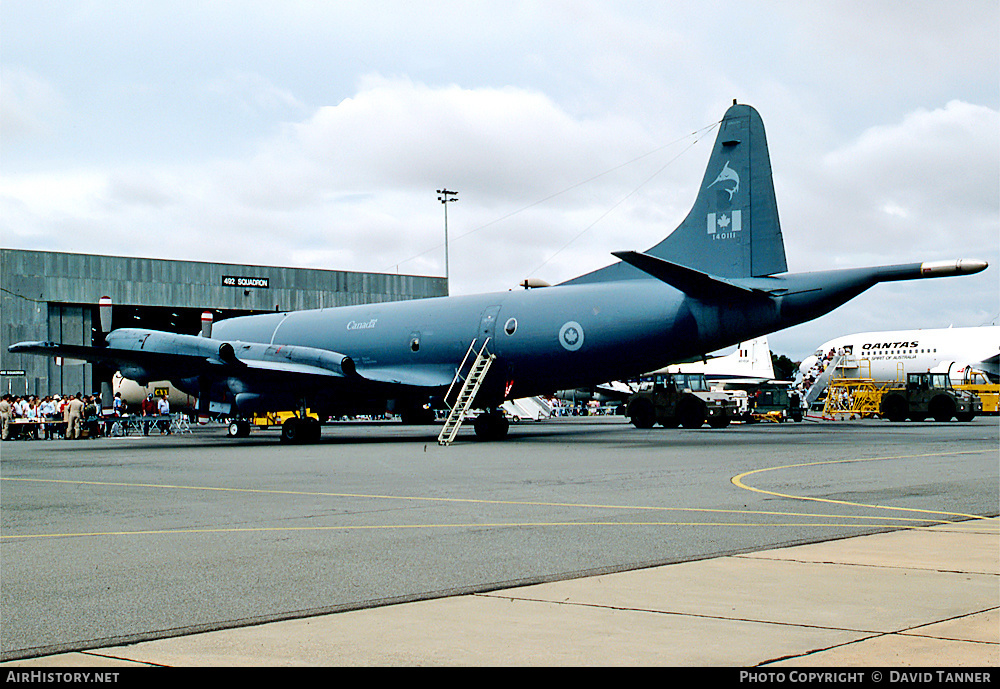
(377, 546)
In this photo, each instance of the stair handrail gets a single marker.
(464, 401)
(458, 371)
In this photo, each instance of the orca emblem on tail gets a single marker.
(728, 174)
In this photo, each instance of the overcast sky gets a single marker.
(314, 134)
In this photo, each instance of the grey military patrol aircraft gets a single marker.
(718, 279)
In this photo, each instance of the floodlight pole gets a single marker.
(444, 199)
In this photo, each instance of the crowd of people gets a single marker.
(816, 370)
(72, 416)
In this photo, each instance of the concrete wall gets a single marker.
(46, 295)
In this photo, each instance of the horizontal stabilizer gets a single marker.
(692, 282)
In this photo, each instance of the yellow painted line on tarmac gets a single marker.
(739, 483)
(843, 520)
(373, 527)
(481, 501)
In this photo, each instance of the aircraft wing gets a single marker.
(991, 365)
(145, 355)
(140, 365)
(95, 355)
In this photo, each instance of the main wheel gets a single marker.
(894, 408)
(942, 408)
(290, 432)
(691, 413)
(417, 415)
(295, 430)
(491, 426)
(642, 414)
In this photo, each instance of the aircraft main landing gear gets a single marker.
(491, 425)
(298, 430)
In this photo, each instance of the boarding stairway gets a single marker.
(836, 368)
(532, 408)
(467, 392)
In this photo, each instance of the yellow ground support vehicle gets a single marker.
(977, 383)
(276, 418)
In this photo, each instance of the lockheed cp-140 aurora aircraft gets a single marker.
(718, 279)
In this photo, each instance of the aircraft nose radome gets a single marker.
(963, 266)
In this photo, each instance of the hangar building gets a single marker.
(45, 295)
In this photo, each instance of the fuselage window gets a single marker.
(510, 326)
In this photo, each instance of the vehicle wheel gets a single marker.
(894, 408)
(966, 416)
(296, 431)
(691, 413)
(942, 408)
(718, 421)
(642, 414)
(238, 428)
(292, 431)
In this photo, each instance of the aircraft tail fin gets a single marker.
(732, 230)
(759, 352)
(751, 361)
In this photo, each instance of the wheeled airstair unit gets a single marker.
(467, 392)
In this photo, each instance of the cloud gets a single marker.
(369, 166)
(29, 105)
(253, 92)
(499, 142)
(923, 187)
(352, 186)
(360, 176)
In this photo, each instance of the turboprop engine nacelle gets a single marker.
(289, 358)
